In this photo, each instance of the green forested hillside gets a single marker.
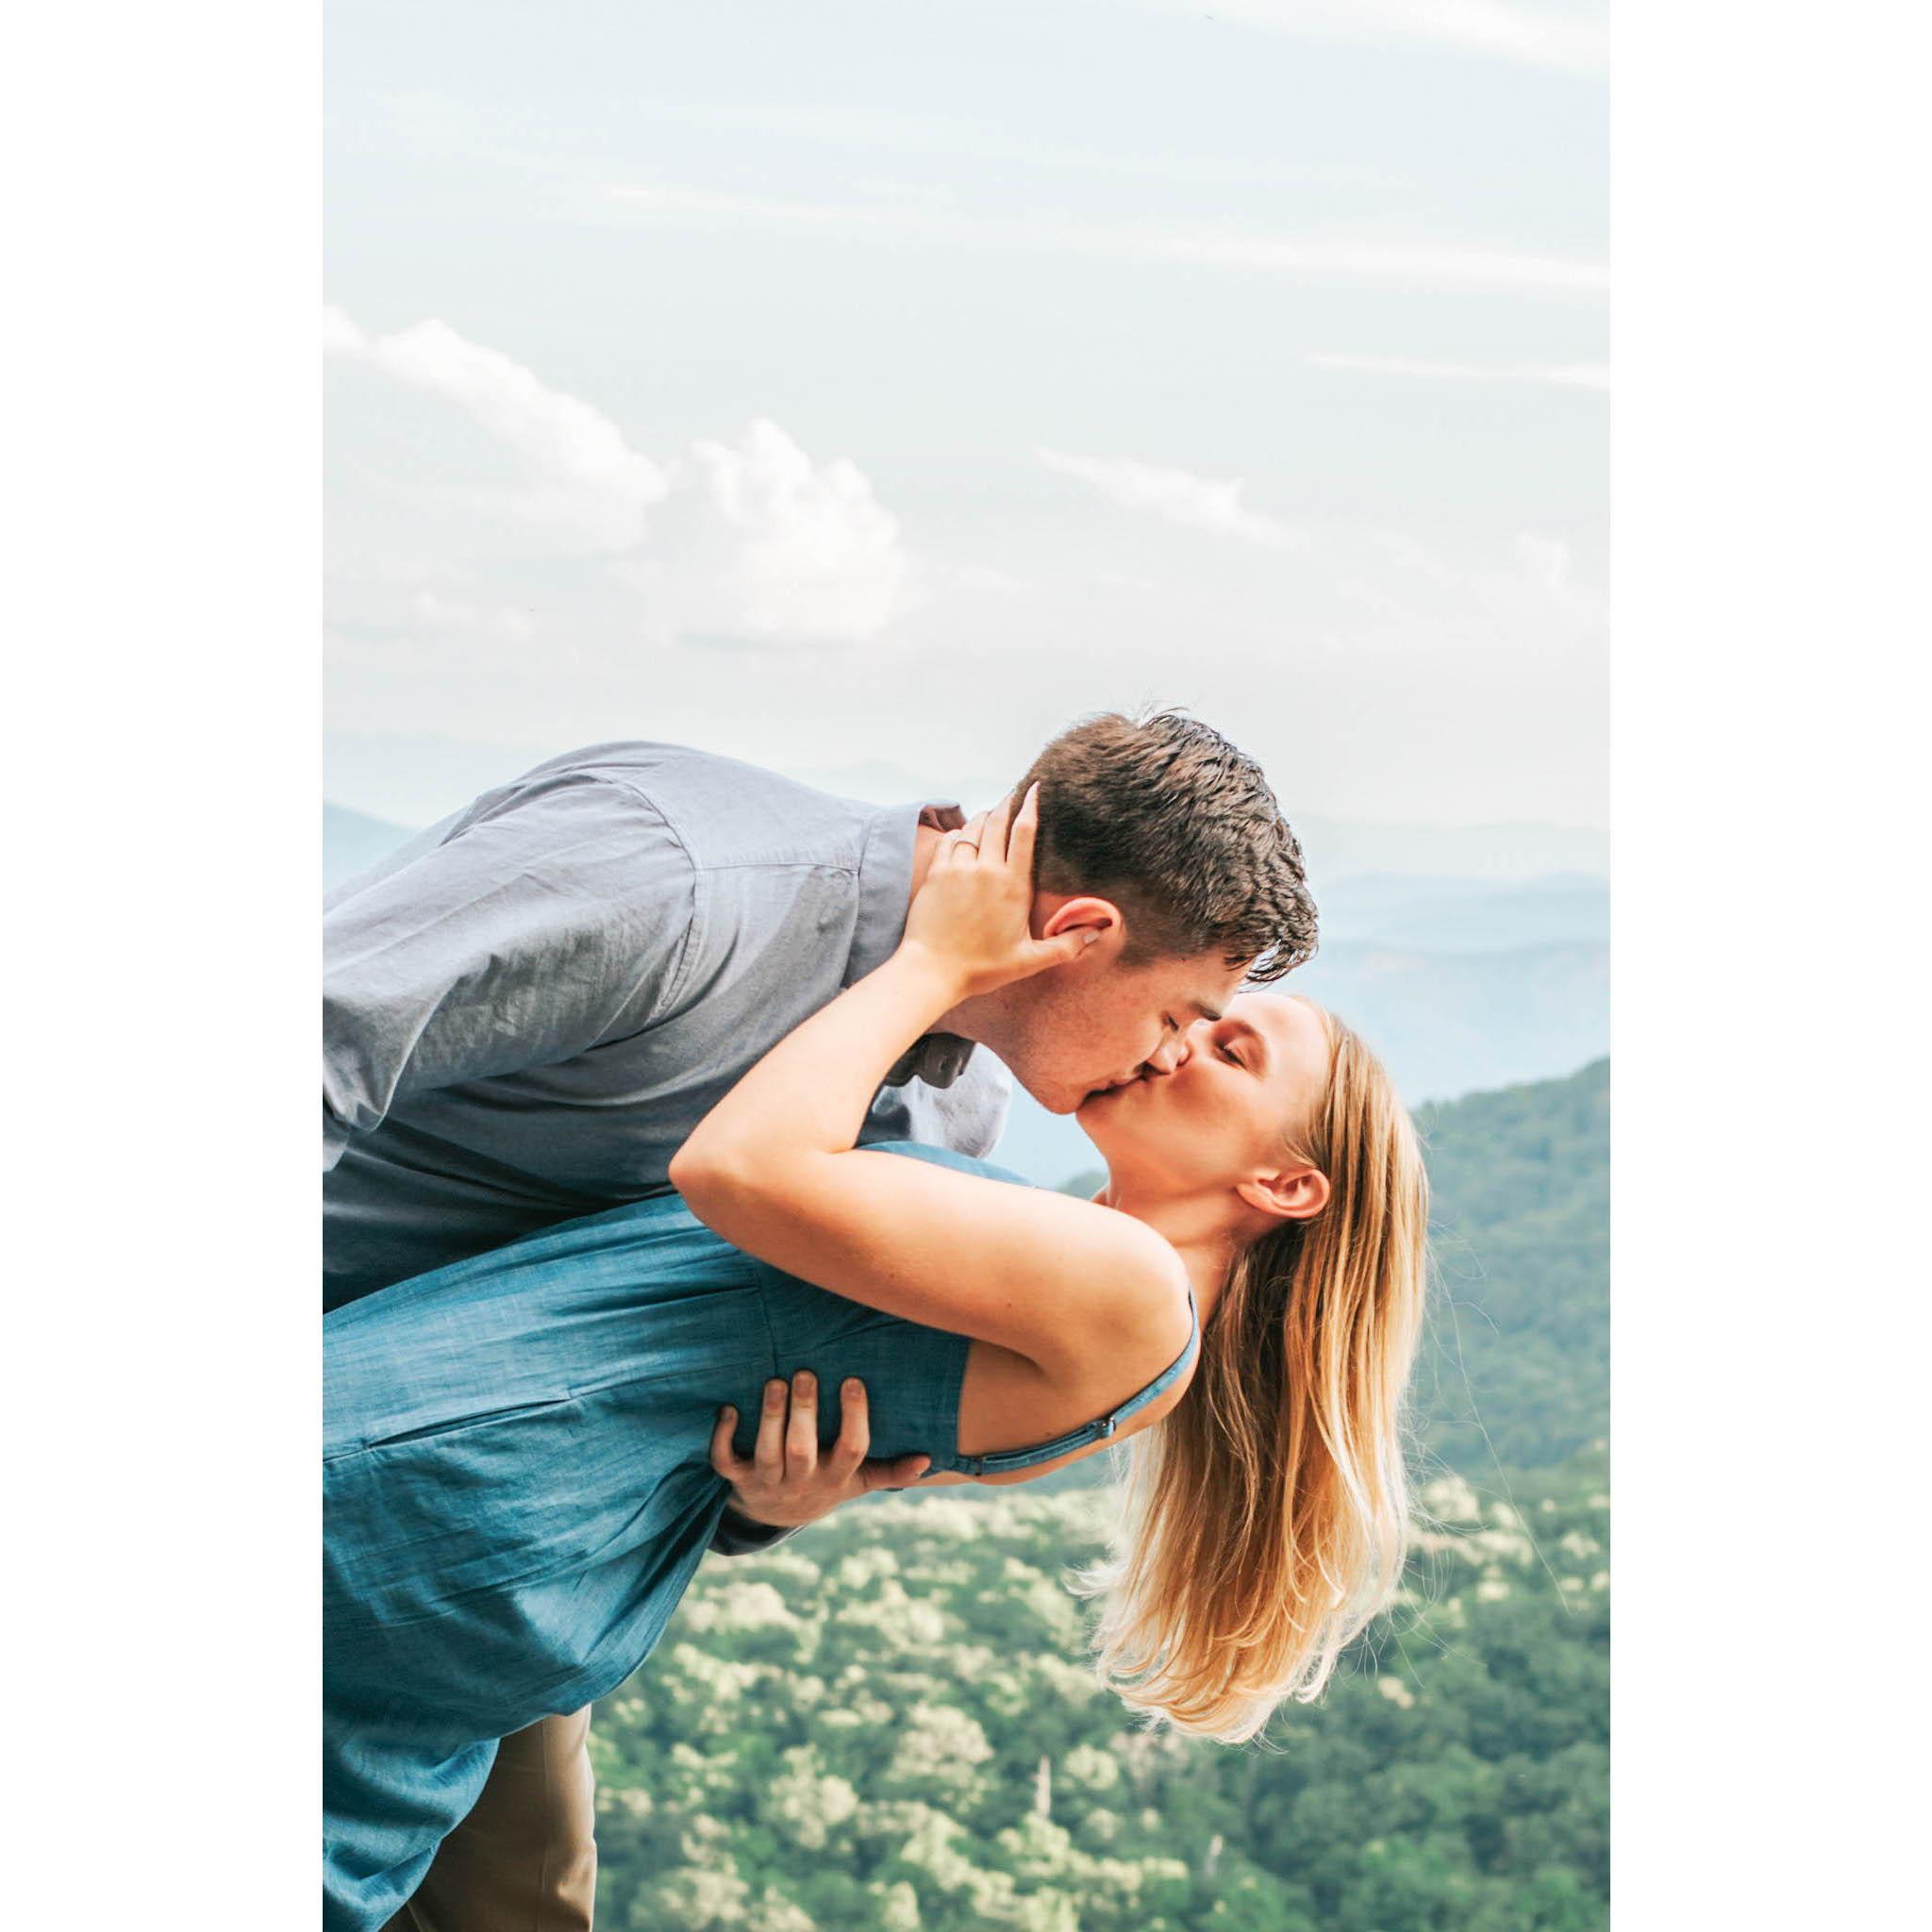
(887, 1724)
(1518, 1361)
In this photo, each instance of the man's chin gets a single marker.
(1063, 1101)
(1065, 1105)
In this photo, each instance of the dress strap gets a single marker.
(999, 1461)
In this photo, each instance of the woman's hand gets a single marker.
(785, 1484)
(973, 913)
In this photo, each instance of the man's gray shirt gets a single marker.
(528, 1007)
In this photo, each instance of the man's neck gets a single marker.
(926, 842)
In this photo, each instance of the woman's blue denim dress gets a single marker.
(516, 1489)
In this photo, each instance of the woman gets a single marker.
(518, 1484)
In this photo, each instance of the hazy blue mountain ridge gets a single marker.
(353, 841)
(1455, 915)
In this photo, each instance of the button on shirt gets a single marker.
(528, 1007)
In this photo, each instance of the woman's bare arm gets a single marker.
(1058, 1281)
(773, 1167)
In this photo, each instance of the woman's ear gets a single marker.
(1055, 915)
(1292, 1193)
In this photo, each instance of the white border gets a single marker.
(163, 435)
(1769, 431)
(162, 431)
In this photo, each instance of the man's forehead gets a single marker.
(1210, 984)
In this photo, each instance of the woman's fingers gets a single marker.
(1026, 828)
(1063, 948)
(962, 846)
(993, 844)
(802, 1432)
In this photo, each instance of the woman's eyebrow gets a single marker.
(1250, 1031)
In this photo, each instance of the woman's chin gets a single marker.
(1098, 1116)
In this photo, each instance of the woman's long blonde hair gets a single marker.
(1267, 1516)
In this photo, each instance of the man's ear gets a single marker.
(1291, 1194)
(1055, 915)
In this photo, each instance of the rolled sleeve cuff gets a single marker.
(738, 1535)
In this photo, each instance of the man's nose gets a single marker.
(1169, 1056)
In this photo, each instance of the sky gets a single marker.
(869, 389)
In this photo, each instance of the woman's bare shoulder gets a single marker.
(1010, 1400)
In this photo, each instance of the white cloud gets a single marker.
(873, 130)
(1580, 375)
(1403, 263)
(1574, 39)
(749, 543)
(498, 620)
(1543, 597)
(761, 545)
(1566, 375)
(1415, 264)
(340, 334)
(1198, 503)
(1528, 597)
(1545, 562)
(586, 475)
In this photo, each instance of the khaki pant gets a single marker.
(524, 1860)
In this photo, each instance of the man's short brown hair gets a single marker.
(1162, 815)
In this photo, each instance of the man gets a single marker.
(529, 1007)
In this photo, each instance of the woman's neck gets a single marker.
(1196, 1228)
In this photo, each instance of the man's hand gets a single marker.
(787, 1483)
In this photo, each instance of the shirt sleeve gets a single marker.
(740, 1536)
(553, 920)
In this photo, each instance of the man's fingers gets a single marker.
(895, 1475)
(769, 1457)
(802, 1432)
(854, 1428)
(724, 1456)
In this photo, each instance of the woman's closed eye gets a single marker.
(1239, 1044)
